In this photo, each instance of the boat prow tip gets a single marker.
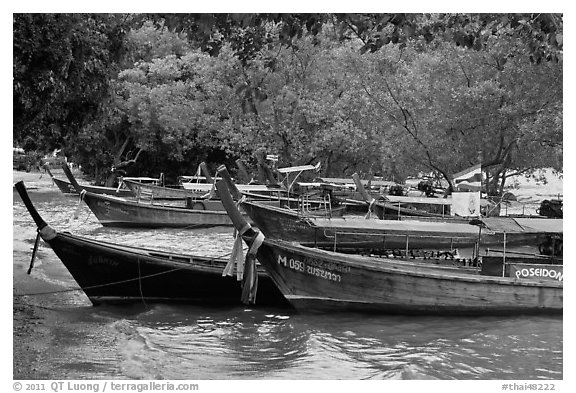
(21, 189)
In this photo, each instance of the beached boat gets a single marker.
(361, 233)
(113, 273)
(67, 187)
(397, 207)
(64, 186)
(118, 212)
(153, 191)
(315, 280)
(112, 211)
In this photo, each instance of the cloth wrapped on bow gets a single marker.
(246, 270)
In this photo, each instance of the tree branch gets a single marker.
(130, 161)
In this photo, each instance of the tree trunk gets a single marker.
(118, 165)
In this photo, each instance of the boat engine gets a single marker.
(426, 187)
(550, 208)
(552, 245)
(396, 190)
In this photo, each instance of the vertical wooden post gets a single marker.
(504, 258)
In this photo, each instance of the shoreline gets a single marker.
(31, 323)
(32, 317)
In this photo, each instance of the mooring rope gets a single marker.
(140, 283)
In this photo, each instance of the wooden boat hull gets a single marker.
(277, 223)
(110, 273)
(116, 212)
(151, 191)
(316, 280)
(64, 186)
(67, 188)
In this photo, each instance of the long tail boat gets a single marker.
(113, 273)
(361, 233)
(357, 232)
(118, 212)
(315, 280)
(395, 207)
(152, 191)
(113, 211)
(68, 187)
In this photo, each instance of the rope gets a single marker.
(110, 283)
(84, 222)
(140, 283)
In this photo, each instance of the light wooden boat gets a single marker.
(316, 280)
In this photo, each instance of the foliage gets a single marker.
(453, 108)
(541, 34)
(387, 94)
(62, 66)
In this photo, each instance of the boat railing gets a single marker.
(307, 206)
(453, 239)
(512, 252)
(144, 195)
(148, 197)
(524, 263)
(501, 208)
(401, 208)
(450, 253)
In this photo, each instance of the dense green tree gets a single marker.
(453, 108)
(62, 67)
(540, 33)
(111, 142)
(372, 93)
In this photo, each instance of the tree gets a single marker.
(541, 34)
(452, 104)
(62, 66)
(359, 92)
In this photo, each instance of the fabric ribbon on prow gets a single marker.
(253, 238)
(250, 282)
(237, 257)
(372, 203)
(77, 211)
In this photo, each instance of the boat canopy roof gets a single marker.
(300, 168)
(418, 200)
(346, 181)
(524, 225)
(142, 179)
(195, 179)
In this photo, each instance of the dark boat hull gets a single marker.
(67, 188)
(150, 191)
(314, 280)
(64, 186)
(358, 233)
(110, 273)
(115, 212)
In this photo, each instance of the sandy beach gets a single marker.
(31, 319)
